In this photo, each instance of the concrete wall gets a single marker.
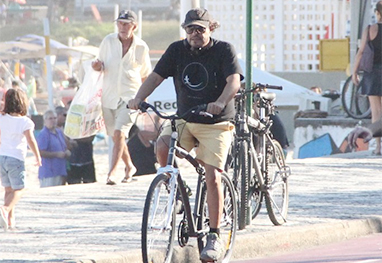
(338, 128)
(325, 80)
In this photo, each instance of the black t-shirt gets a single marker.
(200, 76)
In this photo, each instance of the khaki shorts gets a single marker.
(118, 119)
(214, 140)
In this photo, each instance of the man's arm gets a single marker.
(230, 89)
(147, 87)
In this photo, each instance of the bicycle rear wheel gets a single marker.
(157, 238)
(354, 103)
(228, 222)
(277, 195)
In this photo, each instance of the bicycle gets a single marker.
(159, 213)
(355, 104)
(254, 149)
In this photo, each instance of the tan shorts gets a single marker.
(118, 119)
(214, 140)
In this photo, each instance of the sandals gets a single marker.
(127, 180)
(124, 180)
(110, 182)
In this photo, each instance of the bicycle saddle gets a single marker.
(270, 96)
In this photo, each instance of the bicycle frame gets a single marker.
(176, 183)
(244, 133)
(161, 207)
(260, 169)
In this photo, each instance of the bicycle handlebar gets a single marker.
(256, 87)
(199, 110)
(261, 86)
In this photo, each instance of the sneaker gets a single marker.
(214, 248)
(3, 218)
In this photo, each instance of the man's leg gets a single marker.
(119, 150)
(214, 195)
(214, 248)
(162, 149)
(130, 169)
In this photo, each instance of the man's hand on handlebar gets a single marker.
(134, 103)
(215, 108)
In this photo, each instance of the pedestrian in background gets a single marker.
(372, 81)
(126, 63)
(54, 152)
(80, 165)
(16, 133)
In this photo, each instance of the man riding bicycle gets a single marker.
(205, 71)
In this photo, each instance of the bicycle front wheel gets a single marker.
(157, 230)
(277, 195)
(355, 104)
(228, 223)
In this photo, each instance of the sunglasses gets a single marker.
(192, 29)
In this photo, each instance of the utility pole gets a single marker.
(248, 56)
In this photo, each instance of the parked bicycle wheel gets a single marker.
(255, 197)
(157, 235)
(242, 173)
(354, 103)
(228, 223)
(277, 196)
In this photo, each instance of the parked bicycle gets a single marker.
(159, 214)
(257, 160)
(355, 104)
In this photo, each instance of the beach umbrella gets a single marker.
(33, 46)
(20, 50)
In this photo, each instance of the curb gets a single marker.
(266, 244)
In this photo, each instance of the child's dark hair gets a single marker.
(16, 101)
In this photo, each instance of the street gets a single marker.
(366, 249)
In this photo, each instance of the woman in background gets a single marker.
(372, 81)
(16, 133)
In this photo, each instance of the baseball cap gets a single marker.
(127, 16)
(197, 16)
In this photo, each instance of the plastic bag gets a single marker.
(84, 117)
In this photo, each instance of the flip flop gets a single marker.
(110, 182)
(3, 218)
(127, 180)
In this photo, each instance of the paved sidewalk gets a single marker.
(331, 199)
